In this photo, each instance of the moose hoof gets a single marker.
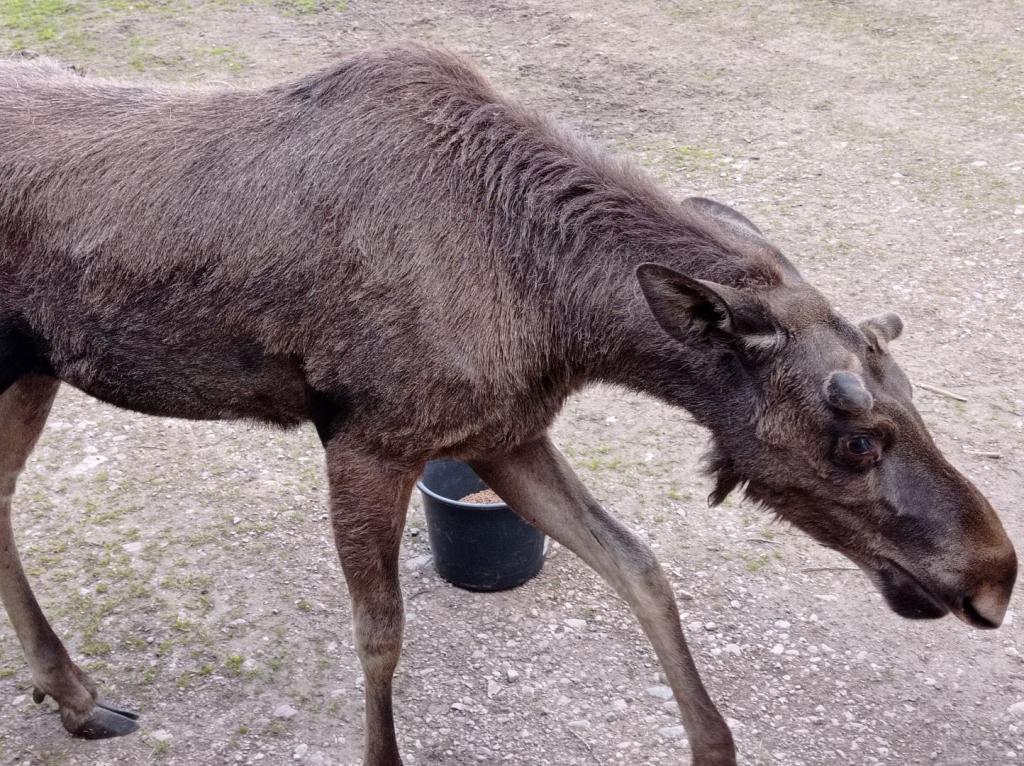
(106, 722)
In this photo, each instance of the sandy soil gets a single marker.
(880, 143)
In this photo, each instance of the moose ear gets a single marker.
(724, 214)
(679, 302)
(882, 329)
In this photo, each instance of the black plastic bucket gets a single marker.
(476, 546)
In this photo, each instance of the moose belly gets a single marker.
(205, 379)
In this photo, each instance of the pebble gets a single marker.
(285, 711)
(417, 563)
(162, 735)
(1017, 709)
(661, 692)
(300, 751)
(576, 624)
(672, 732)
(493, 688)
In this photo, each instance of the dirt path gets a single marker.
(189, 564)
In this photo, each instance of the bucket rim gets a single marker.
(458, 503)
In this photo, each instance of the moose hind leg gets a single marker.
(368, 506)
(24, 407)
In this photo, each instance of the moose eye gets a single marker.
(860, 451)
(860, 445)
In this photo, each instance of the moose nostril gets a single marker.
(986, 608)
(976, 618)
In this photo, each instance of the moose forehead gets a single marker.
(801, 312)
(814, 337)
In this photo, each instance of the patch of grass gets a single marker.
(37, 22)
(93, 647)
(181, 625)
(187, 582)
(233, 664)
(222, 57)
(161, 746)
(679, 495)
(307, 7)
(140, 57)
(692, 158)
(678, 158)
(756, 562)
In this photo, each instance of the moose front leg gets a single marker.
(23, 411)
(369, 500)
(537, 482)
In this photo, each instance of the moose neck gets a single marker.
(607, 328)
(570, 226)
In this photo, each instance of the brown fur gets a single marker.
(421, 267)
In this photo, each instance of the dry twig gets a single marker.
(942, 392)
(586, 744)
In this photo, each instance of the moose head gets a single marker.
(822, 430)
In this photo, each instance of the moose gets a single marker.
(421, 267)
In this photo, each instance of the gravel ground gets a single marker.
(881, 144)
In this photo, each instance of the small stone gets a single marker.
(300, 751)
(162, 735)
(417, 563)
(661, 692)
(133, 547)
(493, 688)
(710, 627)
(672, 732)
(619, 704)
(19, 700)
(782, 624)
(1017, 709)
(512, 675)
(733, 649)
(285, 711)
(778, 649)
(576, 624)
(580, 725)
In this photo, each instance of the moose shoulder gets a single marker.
(421, 267)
